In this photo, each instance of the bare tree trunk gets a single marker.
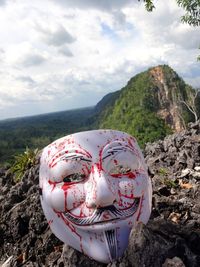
(192, 107)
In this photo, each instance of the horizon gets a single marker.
(43, 114)
(62, 55)
(72, 109)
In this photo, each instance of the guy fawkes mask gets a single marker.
(94, 188)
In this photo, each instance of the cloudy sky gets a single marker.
(63, 54)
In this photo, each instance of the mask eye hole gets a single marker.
(120, 170)
(74, 178)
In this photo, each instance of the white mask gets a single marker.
(94, 189)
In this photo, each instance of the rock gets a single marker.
(164, 191)
(185, 173)
(196, 175)
(171, 237)
(197, 168)
(8, 262)
(175, 262)
(194, 126)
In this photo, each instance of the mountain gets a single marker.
(171, 237)
(151, 105)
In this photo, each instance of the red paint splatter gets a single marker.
(53, 165)
(50, 222)
(83, 151)
(116, 162)
(53, 184)
(65, 194)
(130, 143)
(106, 216)
(117, 175)
(126, 196)
(73, 229)
(140, 207)
(131, 175)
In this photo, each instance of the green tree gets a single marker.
(192, 8)
(192, 11)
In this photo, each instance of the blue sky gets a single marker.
(63, 54)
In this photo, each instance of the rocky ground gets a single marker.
(171, 238)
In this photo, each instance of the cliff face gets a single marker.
(171, 91)
(169, 105)
(171, 237)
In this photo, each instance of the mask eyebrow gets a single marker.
(112, 151)
(71, 155)
(75, 157)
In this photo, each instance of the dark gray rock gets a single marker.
(172, 235)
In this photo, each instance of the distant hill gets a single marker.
(149, 107)
(40, 130)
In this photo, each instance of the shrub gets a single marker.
(23, 162)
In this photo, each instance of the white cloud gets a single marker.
(32, 60)
(26, 79)
(65, 51)
(94, 4)
(2, 2)
(56, 36)
(57, 55)
(2, 53)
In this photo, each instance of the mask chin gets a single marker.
(113, 248)
(108, 242)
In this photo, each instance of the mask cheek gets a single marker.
(74, 197)
(126, 193)
(127, 187)
(57, 199)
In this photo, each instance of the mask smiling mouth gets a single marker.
(97, 216)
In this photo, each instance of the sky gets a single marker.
(64, 54)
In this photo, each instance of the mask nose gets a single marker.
(101, 192)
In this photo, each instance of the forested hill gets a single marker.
(38, 131)
(151, 105)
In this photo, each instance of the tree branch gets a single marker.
(191, 109)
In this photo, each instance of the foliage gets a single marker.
(135, 111)
(170, 183)
(23, 162)
(39, 131)
(132, 109)
(148, 5)
(162, 171)
(144, 125)
(192, 8)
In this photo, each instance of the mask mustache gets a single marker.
(96, 216)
